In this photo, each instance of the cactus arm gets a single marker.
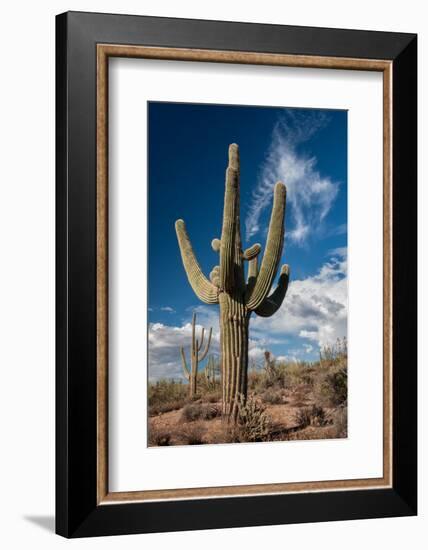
(273, 250)
(184, 363)
(252, 252)
(203, 288)
(253, 271)
(230, 212)
(201, 341)
(272, 303)
(207, 346)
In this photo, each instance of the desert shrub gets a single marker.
(275, 374)
(318, 416)
(256, 381)
(311, 416)
(191, 412)
(253, 424)
(300, 395)
(161, 408)
(164, 391)
(303, 417)
(340, 422)
(272, 396)
(200, 411)
(212, 397)
(335, 354)
(281, 375)
(332, 388)
(158, 437)
(298, 373)
(193, 434)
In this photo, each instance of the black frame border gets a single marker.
(77, 512)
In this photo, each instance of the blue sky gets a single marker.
(304, 148)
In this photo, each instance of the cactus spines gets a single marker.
(227, 286)
(196, 355)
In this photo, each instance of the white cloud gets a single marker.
(164, 348)
(168, 309)
(309, 195)
(341, 252)
(165, 342)
(340, 229)
(256, 355)
(315, 308)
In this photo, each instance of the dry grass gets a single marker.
(273, 396)
(162, 408)
(312, 416)
(159, 437)
(193, 434)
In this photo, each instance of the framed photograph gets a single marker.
(236, 274)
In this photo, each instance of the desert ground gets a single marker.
(286, 401)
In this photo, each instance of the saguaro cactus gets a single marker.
(269, 365)
(227, 286)
(195, 356)
(210, 372)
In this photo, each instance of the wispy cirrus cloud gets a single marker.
(309, 194)
(167, 309)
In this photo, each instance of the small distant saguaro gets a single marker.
(195, 356)
(269, 364)
(210, 371)
(238, 295)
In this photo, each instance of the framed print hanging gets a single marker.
(236, 274)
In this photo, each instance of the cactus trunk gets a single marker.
(234, 323)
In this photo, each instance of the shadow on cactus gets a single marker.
(238, 294)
